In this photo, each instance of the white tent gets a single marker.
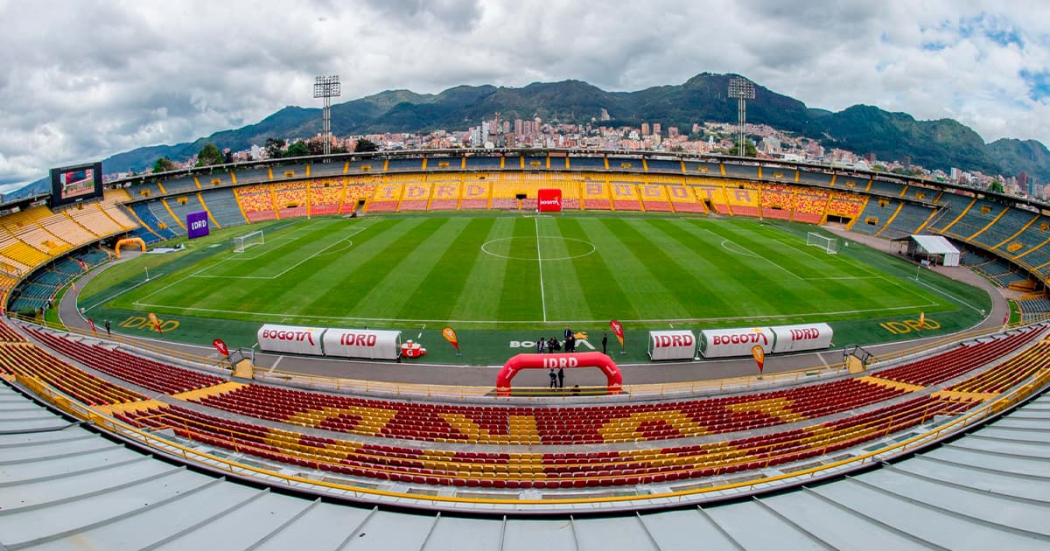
(933, 247)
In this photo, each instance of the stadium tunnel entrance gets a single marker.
(514, 365)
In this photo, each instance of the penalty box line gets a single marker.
(285, 271)
(198, 272)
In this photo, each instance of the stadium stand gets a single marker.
(292, 199)
(741, 172)
(587, 163)
(664, 165)
(1034, 308)
(811, 204)
(256, 175)
(711, 194)
(183, 205)
(257, 202)
(624, 193)
(358, 190)
(778, 201)
(810, 178)
(959, 361)
(149, 374)
(887, 188)
(979, 217)
(484, 163)
(29, 361)
(144, 190)
(476, 193)
(223, 206)
(161, 210)
(877, 212)
(327, 170)
(415, 196)
(404, 165)
(326, 196)
(743, 199)
(1012, 223)
(910, 219)
(703, 168)
(386, 198)
(148, 219)
(956, 206)
(178, 186)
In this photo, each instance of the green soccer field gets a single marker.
(524, 272)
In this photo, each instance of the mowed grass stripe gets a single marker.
(565, 297)
(280, 250)
(791, 295)
(408, 272)
(659, 284)
(521, 299)
(711, 300)
(345, 285)
(444, 283)
(721, 290)
(237, 295)
(483, 287)
(605, 298)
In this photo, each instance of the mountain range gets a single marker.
(863, 129)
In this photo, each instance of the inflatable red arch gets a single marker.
(566, 361)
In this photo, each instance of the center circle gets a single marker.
(538, 248)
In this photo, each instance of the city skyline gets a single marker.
(86, 83)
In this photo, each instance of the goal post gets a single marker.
(830, 245)
(242, 242)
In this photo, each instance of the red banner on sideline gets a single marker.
(617, 330)
(760, 356)
(221, 347)
(450, 336)
(91, 324)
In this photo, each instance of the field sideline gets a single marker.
(500, 272)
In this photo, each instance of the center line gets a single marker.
(539, 258)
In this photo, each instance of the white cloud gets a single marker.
(84, 81)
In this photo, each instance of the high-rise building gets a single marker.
(518, 125)
(645, 129)
(656, 128)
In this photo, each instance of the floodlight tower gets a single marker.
(327, 88)
(743, 90)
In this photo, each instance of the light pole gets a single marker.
(743, 90)
(327, 88)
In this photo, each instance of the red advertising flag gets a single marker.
(617, 329)
(760, 356)
(1006, 318)
(91, 323)
(450, 336)
(221, 347)
(155, 321)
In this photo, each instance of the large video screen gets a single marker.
(73, 184)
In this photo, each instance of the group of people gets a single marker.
(552, 344)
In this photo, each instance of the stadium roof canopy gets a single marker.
(63, 486)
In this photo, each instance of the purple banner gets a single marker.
(197, 223)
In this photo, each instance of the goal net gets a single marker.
(829, 244)
(242, 242)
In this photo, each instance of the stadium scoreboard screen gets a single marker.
(73, 184)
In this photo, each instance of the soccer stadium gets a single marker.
(320, 352)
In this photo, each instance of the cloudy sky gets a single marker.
(82, 80)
